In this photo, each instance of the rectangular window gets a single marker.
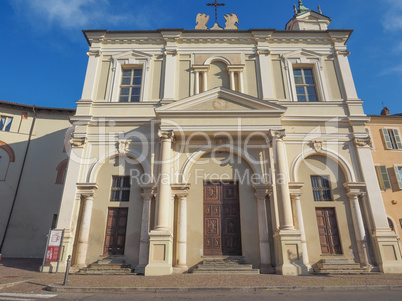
(321, 188)
(130, 89)
(392, 138)
(120, 189)
(5, 123)
(383, 177)
(398, 174)
(305, 84)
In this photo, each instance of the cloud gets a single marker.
(393, 15)
(393, 70)
(74, 14)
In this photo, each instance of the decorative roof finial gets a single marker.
(216, 4)
(302, 9)
(319, 9)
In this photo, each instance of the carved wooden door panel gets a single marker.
(221, 219)
(115, 231)
(231, 240)
(328, 231)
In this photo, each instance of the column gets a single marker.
(232, 81)
(286, 216)
(265, 251)
(287, 238)
(241, 81)
(144, 238)
(197, 82)
(182, 235)
(83, 235)
(358, 226)
(204, 81)
(161, 237)
(162, 221)
(295, 193)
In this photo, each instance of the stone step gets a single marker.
(109, 271)
(226, 267)
(109, 266)
(343, 272)
(338, 266)
(253, 271)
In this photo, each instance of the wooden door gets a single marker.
(222, 234)
(328, 231)
(115, 231)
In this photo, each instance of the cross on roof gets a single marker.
(216, 4)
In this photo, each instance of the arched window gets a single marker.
(6, 157)
(218, 75)
(61, 172)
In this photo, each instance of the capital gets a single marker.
(93, 53)
(363, 142)
(166, 135)
(78, 142)
(277, 134)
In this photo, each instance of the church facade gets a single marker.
(211, 143)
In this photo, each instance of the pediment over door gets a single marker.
(220, 108)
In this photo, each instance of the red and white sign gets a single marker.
(53, 248)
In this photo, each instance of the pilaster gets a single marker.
(265, 251)
(161, 238)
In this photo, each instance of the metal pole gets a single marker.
(67, 270)
(44, 256)
(60, 250)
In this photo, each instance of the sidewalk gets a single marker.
(22, 276)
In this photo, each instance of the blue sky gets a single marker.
(43, 52)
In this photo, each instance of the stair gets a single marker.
(111, 265)
(224, 265)
(339, 266)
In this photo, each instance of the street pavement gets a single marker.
(20, 279)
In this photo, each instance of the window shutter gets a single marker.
(398, 176)
(397, 138)
(385, 177)
(387, 139)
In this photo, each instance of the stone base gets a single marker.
(160, 253)
(180, 269)
(388, 253)
(289, 254)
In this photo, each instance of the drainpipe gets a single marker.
(19, 180)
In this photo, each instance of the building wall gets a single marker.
(392, 197)
(39, 195)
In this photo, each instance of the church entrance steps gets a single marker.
(110, 265)
(224, 265)
(339, 266)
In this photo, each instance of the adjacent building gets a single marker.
(190, 145)
(386, 147)
(33, 164)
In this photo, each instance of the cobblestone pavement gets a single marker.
(27, 270)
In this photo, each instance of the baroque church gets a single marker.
(217, 144)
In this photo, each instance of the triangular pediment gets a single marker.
(220, 101)
(302, 53)
(132, 54)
